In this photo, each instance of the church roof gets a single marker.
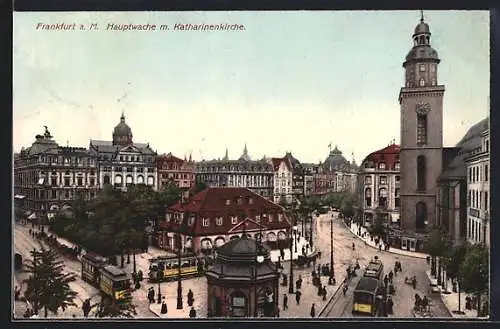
(336, 161)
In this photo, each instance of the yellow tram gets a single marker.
(166, 268)
(365, 296)
(115, 283)
(91, 265)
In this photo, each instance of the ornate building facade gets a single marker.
(298, 176)
(48, 177)
(380, 186)
(216, 215)
(256, 175)
(123, 162)
(421, 101)
(283, 174)
(477, 161)
(174, 170)
(340, 174)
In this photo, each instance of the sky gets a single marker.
(289, 81)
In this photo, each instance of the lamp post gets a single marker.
(290, 287)
(159, 287)
(258, 260)
(311, 230)
(35, 274)
(332, 271)
(179, 279)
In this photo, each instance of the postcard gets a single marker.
(251, 164)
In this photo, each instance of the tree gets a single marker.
(200, 186)
(347, 206)
(121, 309)
(473, 273)
(47, 284)
(436, 245)
(454, 258)
(378, 227)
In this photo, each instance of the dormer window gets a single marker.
(234, 220)
(205, 222)
(191, 221)
(396, 166)
(381, 165)
(168, 216)
(422, 82)
(239, 201)
(228, 202)
(422, 67)
(270, 218)
(218, 221)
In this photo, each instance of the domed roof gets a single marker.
(242, 248)
(336, 161)
(422, 52)
(422, 28)
(122, 129)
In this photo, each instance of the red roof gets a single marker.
(169, 158)
(226, 202)
(388, 155)
(276, 162)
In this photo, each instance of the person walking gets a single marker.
(324, 292)
(386, 280)
(391, 275)
(285, 302)
(297, 296)
(164, 309)
(344, 288)
(313, 311)
(192, 313)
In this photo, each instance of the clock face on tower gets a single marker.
(422, 107)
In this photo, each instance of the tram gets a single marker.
(115, 284)
(166, 268)
(365, 299)
(374, 269)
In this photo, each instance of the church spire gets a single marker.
(245, 151)
(122, 118)
(421, 16)
(226, 156)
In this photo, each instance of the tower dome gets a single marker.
(122, 134)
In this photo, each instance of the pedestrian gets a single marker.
(319, 269)
(320, 290)
(164, 309)
(190, 297)
(303, 250)
(285, 302)
(324, 292)
(297, 296)
(386, 280)
(151, 295)
(192, 313)
(380, 247)
(391, 275)
(313, 311)
(344, 288)
(353, 246)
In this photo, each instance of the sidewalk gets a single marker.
(354, 230)
(450, 300)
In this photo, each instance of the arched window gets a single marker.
(129, 179)
(382, 197)
(151, 180)
(106, 179)
(140, 179)
(368, 197)
(422, 82)
(421, 173)
(421, 129)
(118, 179)
(421, 216)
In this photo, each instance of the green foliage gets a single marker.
(437, 243)
(378, 227)
(121, 309)
(454, 258)
(200, 186)
(47, 285)
(473, 273)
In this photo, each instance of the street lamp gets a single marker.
(332, 271)
(259, 260)
(159, 286)
(290, 287)
(179, 281)
(311, 231)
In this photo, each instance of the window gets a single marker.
(205, 222)
(421, 216)
(382, 197)
(421, 173)
(487, 146)
(53, 181)
(421, 129)
(397, 165)
(469, 199)
(381, 165)
(398, 179)
(470, 175)
(422, 82)
(218, 221)
(422, 67)
(80, 181)
(486, 173)
(383, 180)
(433, 68)
(66, 181)
(486, 201)
(368, 197)
(397, 199)
(433, 83)
(250, 201)
(234, 220)
(228, 202)
(92, 181)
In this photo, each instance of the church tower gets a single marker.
(421, 101)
